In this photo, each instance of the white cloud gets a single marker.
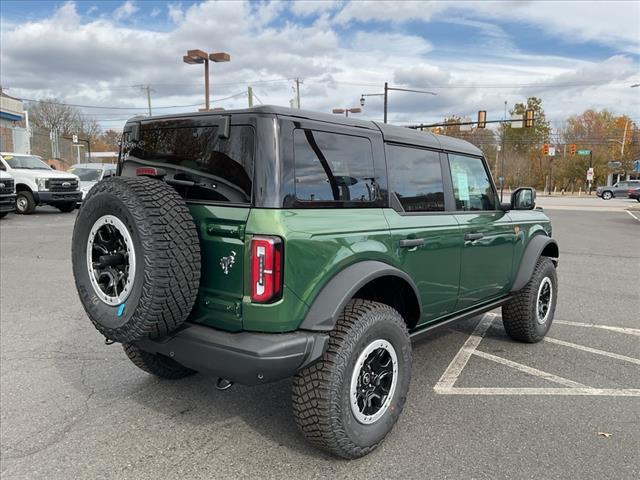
(155, 12)
(305, 8)
(125, 10)
(95, 61)
(175, 12)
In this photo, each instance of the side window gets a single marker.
(472, 188)
(415, 176)
(332, 167)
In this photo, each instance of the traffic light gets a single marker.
(572, 149)
(528, 118)
(482, 118)
(545, 149)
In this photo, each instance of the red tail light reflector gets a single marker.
(266, 269)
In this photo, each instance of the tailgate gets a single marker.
(222, 232)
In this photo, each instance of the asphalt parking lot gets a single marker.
(480, 405)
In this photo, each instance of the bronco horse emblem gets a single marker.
(227, 262)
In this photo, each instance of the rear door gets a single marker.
(488, 232)
(427, 238)
(210, 163)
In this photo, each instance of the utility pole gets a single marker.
(148, 89)
(504, 134)
(250, 96)
(298, 92)
(386, 100)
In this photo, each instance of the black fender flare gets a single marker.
(335, 295)
(532, 253)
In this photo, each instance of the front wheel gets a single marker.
(528, 316)
(158, 365)
(25, 203)
(348, 401)
(607, 195)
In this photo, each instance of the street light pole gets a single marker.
(386, 96)
(198, 56)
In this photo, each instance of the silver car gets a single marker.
(619, 189)
(92, 173)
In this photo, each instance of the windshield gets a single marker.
(87, 174)
(30, 162)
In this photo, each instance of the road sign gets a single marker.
(552, 151)
(590, 175)
(75, 139)
(584, 152)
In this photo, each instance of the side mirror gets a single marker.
(523, 198)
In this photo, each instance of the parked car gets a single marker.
(38, 184)
(261, 244)
(618, 190)
(634, 193)
(7, 193)
(91, 173)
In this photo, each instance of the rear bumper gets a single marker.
(7, 203)
(247, 358)
(52, 198)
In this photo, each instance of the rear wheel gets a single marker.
(349, 401)
(3, 214)
(158, 365)
(528, 316)
(607, 195)
(25, 203)
(67, 207)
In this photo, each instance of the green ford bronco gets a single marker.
(262, 244)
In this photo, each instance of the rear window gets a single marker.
(199, 163)
(332, 167)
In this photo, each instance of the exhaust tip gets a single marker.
(223, 384)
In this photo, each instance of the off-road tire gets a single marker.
(320, 392)
(158, 365)
(66, 207)
(607, 195)
(167, 252)
(519, 315)
(30, 203)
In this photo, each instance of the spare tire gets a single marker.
(136, 258)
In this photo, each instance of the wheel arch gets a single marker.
(539, 246)
(371, 280)
(23, 187)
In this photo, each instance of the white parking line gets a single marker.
(626, 330)
(593, 350)
(446, 383)
(530, 370)
(632, 215)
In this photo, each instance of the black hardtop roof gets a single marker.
(390, 133)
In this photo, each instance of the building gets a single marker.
(14, 135)
(104, 157)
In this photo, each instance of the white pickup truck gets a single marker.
(37, 183)
(7, 193)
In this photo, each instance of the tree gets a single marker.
(524, 162)
(54, 115)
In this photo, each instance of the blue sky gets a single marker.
(475, 55)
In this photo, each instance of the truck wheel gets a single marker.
(607, 195)
(348, 401)
(136, 258)
(67, 207)
(158, 365)
(528, 316)
(25, 203)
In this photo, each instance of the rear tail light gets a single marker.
(266, 269)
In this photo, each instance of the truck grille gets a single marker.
(6, 186)
(62, 185)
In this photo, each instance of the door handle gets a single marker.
(473, 236)
(411, 242)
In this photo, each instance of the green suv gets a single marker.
(262, 244)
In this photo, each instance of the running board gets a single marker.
(424, 331)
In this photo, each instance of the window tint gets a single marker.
(415, 176)
(332, 167)
(472, 188)
(219, 169)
